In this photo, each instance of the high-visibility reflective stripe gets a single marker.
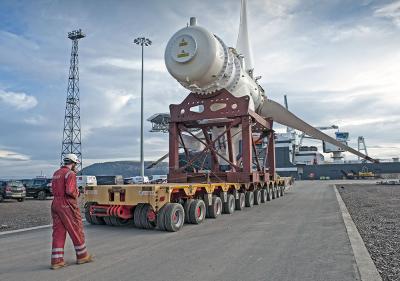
(58, 250)
(57, 256)
(80, 247)
(81, 252)
(67, 174)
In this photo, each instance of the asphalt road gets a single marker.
(300, 236)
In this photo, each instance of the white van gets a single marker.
(83, 181)
(136, 180)
(158, 179)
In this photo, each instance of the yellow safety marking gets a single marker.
(182, 55)
(183, 43)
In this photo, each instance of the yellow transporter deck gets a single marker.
(157, 195)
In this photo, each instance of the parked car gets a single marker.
(110, 180)
(12, 190)
(158, 179)
(83, 181)
(137, 180)
(39, 188)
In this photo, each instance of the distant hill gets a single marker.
(124, 168)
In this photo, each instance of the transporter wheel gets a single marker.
(264, 195)
(107, 220)
(174, 217)
(186, 207)
(215, 209)
(249, 199)
(282, 190)
(98, 220)
(137, 213)
(197, 211)
(229, 205)
(278, 193)
(88, 217)
(240, 202)
(91, 218)
(273, 193)
(116, 221)
(257, 197)
(161, 219)
(147, 217)
(41, 195)
(269, 194)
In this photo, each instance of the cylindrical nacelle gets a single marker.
(203, 64)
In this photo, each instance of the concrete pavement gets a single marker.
(300, 236)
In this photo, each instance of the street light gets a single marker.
(141, 41)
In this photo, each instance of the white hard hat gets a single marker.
(71, 158)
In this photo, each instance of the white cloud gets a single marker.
(359, 31)
(35, 120)
(18, 100)
(368, 121)
(11, 155)
(390, 11)
(156, 65)
(27, 168)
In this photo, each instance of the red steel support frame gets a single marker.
(233, 112)
(271, 154)
(173, 148)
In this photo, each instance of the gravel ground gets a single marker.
(375, 209)
(31, 212)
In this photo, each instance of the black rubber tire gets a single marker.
(98, 220)
(197, 212)
(174, 217)
(229, 205)
(160, 219)
(41, 195)
(249, 199)
(88, 217)
(257, 197)
(273, 193)
(21, 199)
(208, 205)
(221, 195)
(215, 209)
(93, 219)
(107, 220)
(137, 214)
(278, 193)
(264, 195)
(144, 221)
(282, 190)
(116, 221)
(240, 203)
(269, 195)
(186, 208)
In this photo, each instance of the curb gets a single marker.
(366, 266)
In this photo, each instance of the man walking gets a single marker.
(66, 214)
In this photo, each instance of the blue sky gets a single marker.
(338, 61)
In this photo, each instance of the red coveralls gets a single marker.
(66, 215)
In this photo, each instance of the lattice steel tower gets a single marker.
(72, 122)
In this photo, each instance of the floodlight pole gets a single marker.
(142, 41)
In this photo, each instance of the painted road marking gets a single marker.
(28, 229)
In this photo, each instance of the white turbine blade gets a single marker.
(272, 109)
(243, 42)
